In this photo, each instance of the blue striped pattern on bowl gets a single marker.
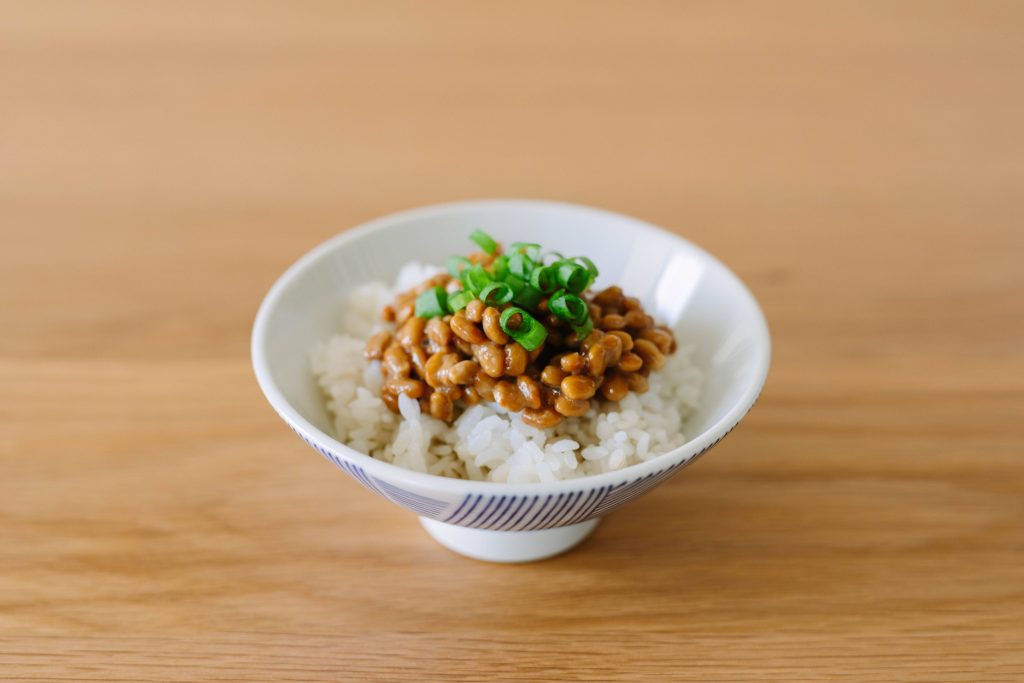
(512, 512)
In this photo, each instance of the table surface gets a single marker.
(858, 164)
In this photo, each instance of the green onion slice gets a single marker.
(552, 257)
(529, 296)
(515, 282)
(573, 277)
(484, 241)
(583, 329)
(568, 307)
(544, 278)
(459, 300)
(457, 264)
(496, 294)
(476, 278)
(501, 267)
(588, 264)
(531, 249)
(431, 303)
(520, 265)
(530, 333)
(591, 269)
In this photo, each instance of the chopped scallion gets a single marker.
(516, 283)
(456, 264)
(531, 249)
(501, 267)
(573, 277)
(552, 257)
(583, 329)
(568, 307)
(529, 332)
(522, 275)
(459, 300)
(484, 241)
(588, 264)
(520, 265)
(496, 294)
(431, 303)
(528, 296)
(476, 278)
(544, 278)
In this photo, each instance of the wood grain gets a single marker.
(858, 164)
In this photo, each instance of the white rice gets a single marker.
(487, 442)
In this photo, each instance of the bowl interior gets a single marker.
(706, 305)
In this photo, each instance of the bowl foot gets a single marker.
(508, 546)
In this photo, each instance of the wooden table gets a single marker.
(858, 164)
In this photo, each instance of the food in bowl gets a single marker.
(507, 367)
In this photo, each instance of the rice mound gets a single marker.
(487, 442)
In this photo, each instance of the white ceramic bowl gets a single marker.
(680, 283)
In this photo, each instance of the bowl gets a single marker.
(680, 283)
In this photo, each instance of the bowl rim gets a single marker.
(424, 481)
